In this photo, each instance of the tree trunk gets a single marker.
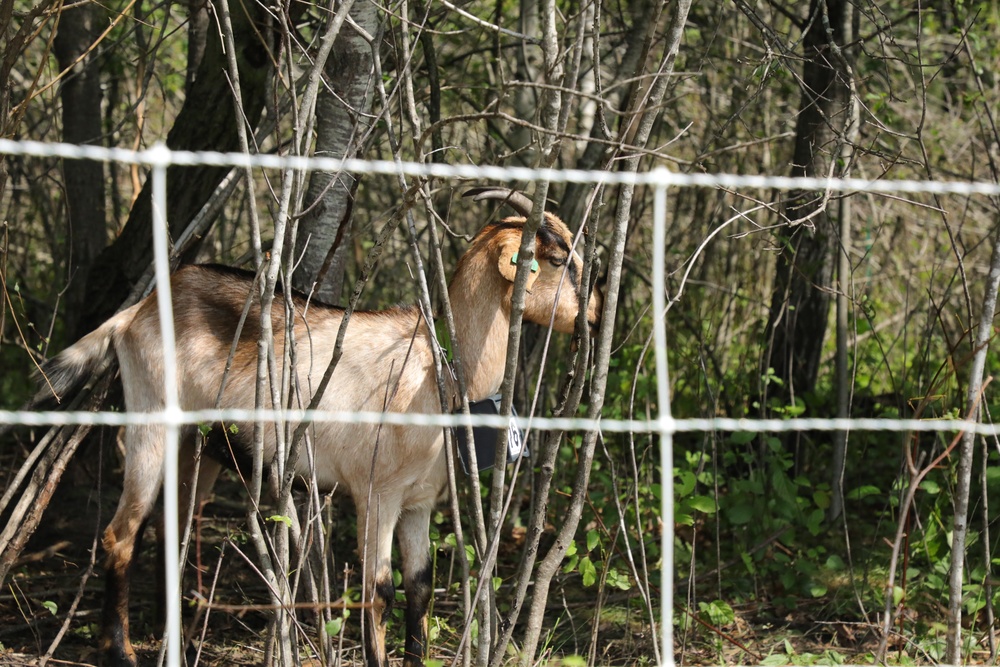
(342, 122)
(207, 121)
(963, 472)
(19, 30)
(198, 29)
(6, 14)
(520, 139)
(800, 301)
(86, 231)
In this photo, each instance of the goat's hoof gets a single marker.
(119, 657)
(190, 653)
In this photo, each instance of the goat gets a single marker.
(389, 348)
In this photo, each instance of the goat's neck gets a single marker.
(480, 303)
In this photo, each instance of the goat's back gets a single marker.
(386, 366)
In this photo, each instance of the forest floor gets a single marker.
(57, 572)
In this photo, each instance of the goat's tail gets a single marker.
(62, 376)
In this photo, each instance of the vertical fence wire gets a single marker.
(159, 157)
(666, 426)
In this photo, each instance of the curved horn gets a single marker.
(516, 200)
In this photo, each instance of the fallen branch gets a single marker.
(46, 467)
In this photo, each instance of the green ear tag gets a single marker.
(534, 263)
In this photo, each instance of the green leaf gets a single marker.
(234, 429)
(433, 632)
(617, 580)
(204, 429)
(863, 492)
(588, 571)
(496, 583)
(279, 517)
(574, 661)
(705, 504)
(717, 612)
(571, 565)
(685, 483)
(815, 522)
(332, 628)
(835, 562)
(51, 606)
(593, 539)
(822, 499)
(930, 486)
(740, 514)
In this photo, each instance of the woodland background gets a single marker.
(789, 548)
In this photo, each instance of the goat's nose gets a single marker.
(596, 305)
(594, 316)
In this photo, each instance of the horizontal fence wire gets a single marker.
(665, 425)
(160, 154)
(653, 425)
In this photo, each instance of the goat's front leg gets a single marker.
(375, 530)
(418, 580)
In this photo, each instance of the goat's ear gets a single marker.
(508, 263)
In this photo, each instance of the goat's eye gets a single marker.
(557, 261)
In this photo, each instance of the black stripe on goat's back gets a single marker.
(242, 280)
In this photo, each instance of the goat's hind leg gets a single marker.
(413, 534)
(122, 537)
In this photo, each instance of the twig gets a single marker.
(729, 638)
(917, 474)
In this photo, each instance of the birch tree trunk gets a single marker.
(984, 333)
(343, 121)
(525, 97)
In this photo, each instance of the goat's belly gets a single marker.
(404, 461)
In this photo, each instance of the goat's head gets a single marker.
(555, 281)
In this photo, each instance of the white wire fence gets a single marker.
(665, 424)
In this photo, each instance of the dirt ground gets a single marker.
(57, 579)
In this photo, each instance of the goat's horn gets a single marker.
(516, 200)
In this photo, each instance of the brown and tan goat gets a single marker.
(388, 349)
